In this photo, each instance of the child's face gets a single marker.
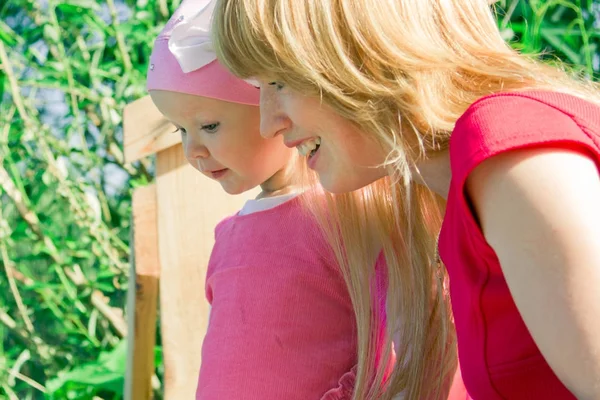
(222, 139)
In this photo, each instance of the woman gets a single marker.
(426, 94)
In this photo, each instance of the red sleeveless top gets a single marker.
(498, 357)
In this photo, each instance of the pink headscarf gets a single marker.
(184, 61)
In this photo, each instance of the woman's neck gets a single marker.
(435, 173)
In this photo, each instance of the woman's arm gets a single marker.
(539, 209)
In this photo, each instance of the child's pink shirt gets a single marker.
(281, 323)
(499, 358)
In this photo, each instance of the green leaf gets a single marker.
(143, 15)
(77, 6)
(96, 23)
(57, 67)
(116, 359)
(158, 355)
(2, 83)
(107, 373)
(7, 35)
(51, 33)
(559, 45)
(105, 288)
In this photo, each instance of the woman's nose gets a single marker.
(273, 121)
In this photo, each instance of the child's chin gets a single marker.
(233, 190)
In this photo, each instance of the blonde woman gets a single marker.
(410, 97)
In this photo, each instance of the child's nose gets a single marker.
(195, 149)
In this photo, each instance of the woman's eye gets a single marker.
(210, 128)
(277, 85)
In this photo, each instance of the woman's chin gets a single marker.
(338, 186)
(345, 183)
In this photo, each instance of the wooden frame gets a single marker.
(142, 295)
(186, 210)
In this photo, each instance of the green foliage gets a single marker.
(67, 69)
(567, 29)
(105, 374)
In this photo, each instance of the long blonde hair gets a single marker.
(403, 71)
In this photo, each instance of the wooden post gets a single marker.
(142, 296)
(146, 131)
(189, 206)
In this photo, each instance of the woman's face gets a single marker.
(337, 150)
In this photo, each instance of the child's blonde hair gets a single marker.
(403, 71)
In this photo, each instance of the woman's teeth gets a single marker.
(309, 146)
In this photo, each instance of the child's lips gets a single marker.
(218, 173)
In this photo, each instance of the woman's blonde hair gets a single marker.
(403, 71)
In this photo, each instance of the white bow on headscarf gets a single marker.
(190, 41)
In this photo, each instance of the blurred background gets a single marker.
(67, 70)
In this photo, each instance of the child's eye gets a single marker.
(210, 128)
(278, 85)
(180, 130)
